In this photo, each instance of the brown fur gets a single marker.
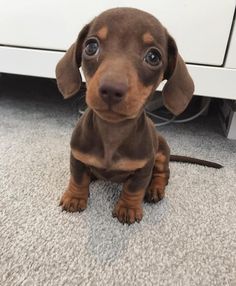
(116, 141)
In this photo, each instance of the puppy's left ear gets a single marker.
(179, 88)
(67, 70)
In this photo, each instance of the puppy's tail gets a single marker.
(186, 159)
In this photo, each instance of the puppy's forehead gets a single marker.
(128, 24)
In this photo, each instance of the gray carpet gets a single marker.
(187, 239)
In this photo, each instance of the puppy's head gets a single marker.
(125, 53)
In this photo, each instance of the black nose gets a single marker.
(112, 93)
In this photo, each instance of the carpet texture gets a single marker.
(189, 238)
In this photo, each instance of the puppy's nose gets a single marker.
(112, 93)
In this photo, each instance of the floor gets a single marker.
(189, 238)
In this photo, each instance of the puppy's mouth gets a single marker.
(111, 115)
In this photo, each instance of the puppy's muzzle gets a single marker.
(112, 92)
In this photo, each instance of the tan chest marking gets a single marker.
(125, 164)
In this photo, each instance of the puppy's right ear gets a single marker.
(67, 70)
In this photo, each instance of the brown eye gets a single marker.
(153, 57)
(91, 47)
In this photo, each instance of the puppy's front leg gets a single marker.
(76, 196)
(129, 209)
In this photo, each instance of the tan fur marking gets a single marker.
(75, 197)
(129, 165)
(86, 158)
(122, 165)
(79, 189)
(160, 162)
(132, 199)
(128, 209)
(102, 33)
(161, 157)
(160, 166)
(137, 196)
(148, 38)
(130, 106)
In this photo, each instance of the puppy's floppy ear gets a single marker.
(179, 88)
(67, 70)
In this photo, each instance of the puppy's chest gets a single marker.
(109, 149)
(109, 159)
(109, 165)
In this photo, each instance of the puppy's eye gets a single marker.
(153, 57)
(91, 47)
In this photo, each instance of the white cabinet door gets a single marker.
(231, 57)
(201, 27)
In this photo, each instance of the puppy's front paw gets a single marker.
(126, 214)
(71, 203)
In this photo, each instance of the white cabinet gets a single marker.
(35, 33)
(231, 57)
(201, 27)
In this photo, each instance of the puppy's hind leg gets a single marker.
(160, 174)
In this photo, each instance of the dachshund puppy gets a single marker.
(125, 54)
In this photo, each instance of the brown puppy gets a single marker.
(125, 53)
